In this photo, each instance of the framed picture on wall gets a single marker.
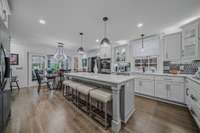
(14, 59)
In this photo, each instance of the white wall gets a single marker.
(21, 70)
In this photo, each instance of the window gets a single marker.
(53, 64)
(38, 62)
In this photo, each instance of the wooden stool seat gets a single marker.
(101, 95)
(104, 96)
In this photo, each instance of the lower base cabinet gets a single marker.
(144, 86)
(192, 98)
(177, 92)
(169, 90)
(161, 89)
(164, 87)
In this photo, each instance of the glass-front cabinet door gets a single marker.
(190, 41)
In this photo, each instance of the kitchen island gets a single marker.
(122, 94)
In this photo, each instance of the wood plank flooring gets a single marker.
(49, 112)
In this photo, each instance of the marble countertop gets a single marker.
(109, 78)
(189, 76)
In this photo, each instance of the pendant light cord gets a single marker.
(142, 35)
(105, 19)
(105, 29)
(81, 34)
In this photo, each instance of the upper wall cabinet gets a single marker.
(4, 12)
(191, 41)
(172, 47)
(121, 53)
(105, 52)
(151, 47)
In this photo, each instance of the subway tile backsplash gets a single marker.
(186, 68)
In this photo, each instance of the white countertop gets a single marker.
(189, 76)
(109, 78)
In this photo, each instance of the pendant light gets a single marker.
(81, 49)
(142, 38)
(105, 41)
(60, 53)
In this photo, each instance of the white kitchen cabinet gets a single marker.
(151, 47)
(4, 11)
(147, 87)
(170, 90)
(137, 85)
(121, 53)
(161, 89)
(191, 41)
(192, 95)
(144, 86)
(176, 92)
(172, 47)
(105, 52)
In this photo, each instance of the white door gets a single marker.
(35, 61)
(161, 89)
(147, 87)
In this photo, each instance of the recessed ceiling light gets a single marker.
(42, 21)
(97, 40)
(139, 25)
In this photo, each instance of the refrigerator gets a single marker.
(5, 92)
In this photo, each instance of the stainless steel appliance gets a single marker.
(106, 66)
(91, 64)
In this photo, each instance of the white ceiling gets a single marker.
(66, 18)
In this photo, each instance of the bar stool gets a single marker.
(84, 90)
(103, 96)
(73, 87)
(66, 88)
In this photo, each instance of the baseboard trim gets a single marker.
(160, 99)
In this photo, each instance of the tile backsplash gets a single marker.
(186, 68)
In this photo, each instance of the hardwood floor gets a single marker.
(49, 112)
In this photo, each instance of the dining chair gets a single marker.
(13, 81)
(41, 80)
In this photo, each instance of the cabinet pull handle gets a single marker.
(193, 98)
(187, 89)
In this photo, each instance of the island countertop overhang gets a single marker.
(109, 78)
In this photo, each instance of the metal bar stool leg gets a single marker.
(105, 115)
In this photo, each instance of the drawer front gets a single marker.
(169, 78)
(146, 77)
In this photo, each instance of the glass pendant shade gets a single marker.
(60, 53)
(81, 50)
(105, 41)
